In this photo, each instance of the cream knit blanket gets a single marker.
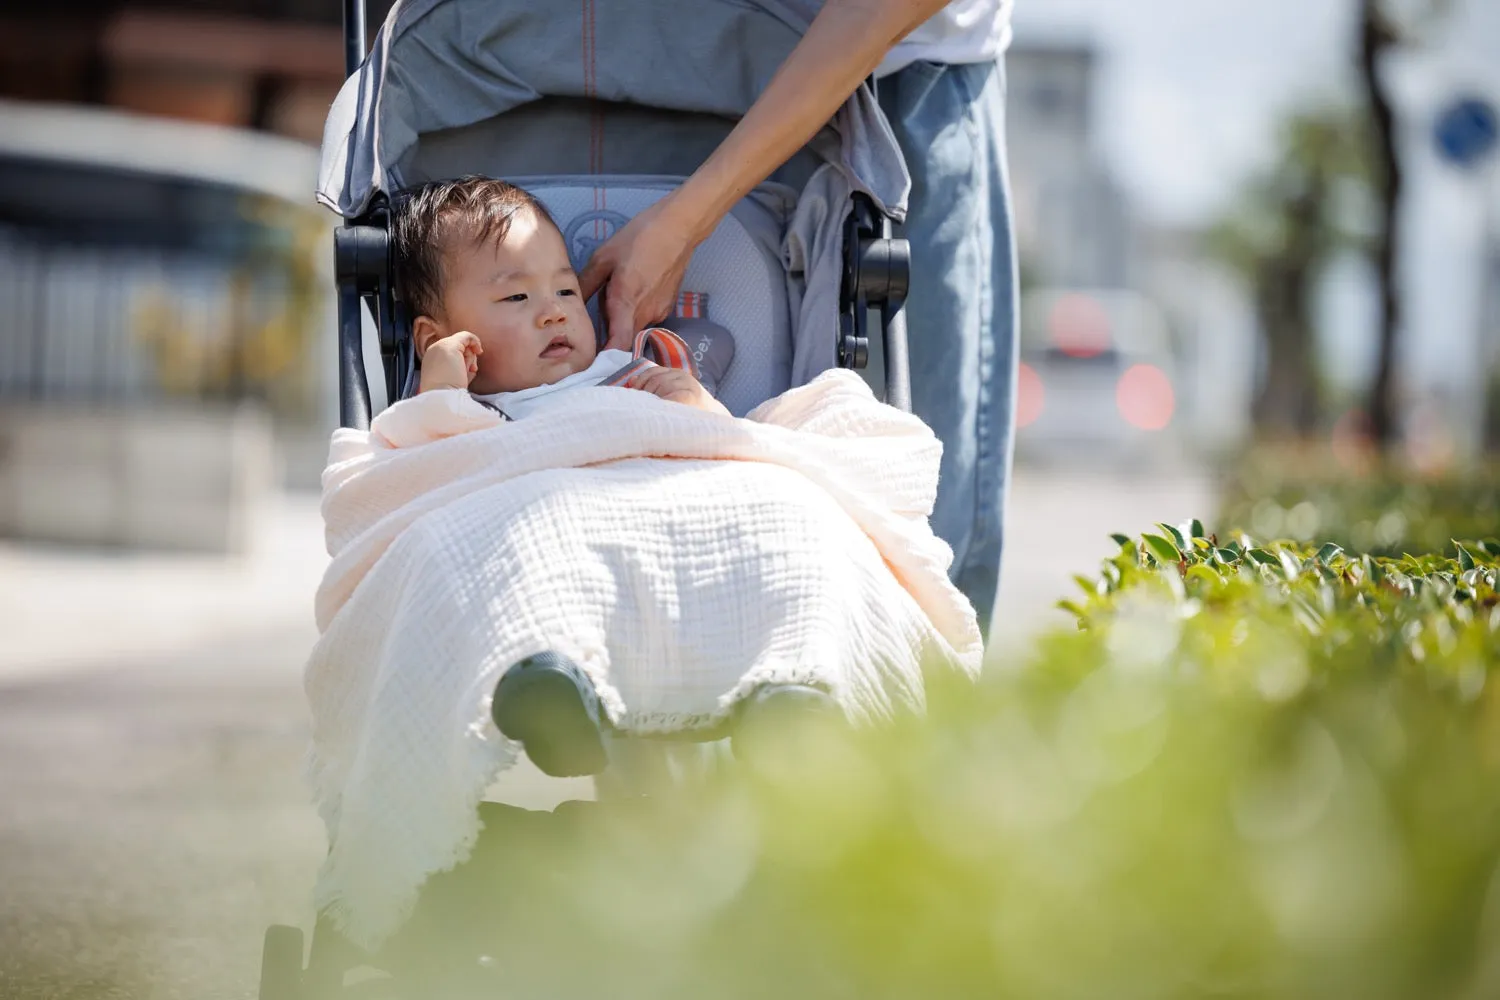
(680, 557)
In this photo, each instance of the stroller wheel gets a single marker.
(772, 722)
(281, 964)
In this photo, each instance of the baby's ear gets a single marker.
(424, 331)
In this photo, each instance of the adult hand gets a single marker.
(640, 269)
(644, 262)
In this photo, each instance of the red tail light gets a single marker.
(1144, 396)
(1079, 326)
(1029, 395)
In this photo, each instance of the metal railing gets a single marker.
(112, 324)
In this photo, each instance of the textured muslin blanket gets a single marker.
(680, 557)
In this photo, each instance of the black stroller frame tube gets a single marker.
(354, 384)
(354, 36)
(897, 359)
(877, 271)
(891, 262)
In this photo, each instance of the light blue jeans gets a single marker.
(961, 309)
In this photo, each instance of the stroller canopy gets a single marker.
(440, 67)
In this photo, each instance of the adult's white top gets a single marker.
(965, 31)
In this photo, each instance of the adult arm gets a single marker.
(642, 265)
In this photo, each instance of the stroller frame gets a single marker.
(876, 269)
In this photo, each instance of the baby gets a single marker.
(498, 312)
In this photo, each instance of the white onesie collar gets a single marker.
(517, 404)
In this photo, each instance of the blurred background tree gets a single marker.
(1377, 34)
(1292, 222)
(1384, 27)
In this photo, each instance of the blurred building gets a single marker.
(270, 65)
(163, 274)
(1165, 311)
(1073, 223)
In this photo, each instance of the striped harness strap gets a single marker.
(491, 406)
(655, 347)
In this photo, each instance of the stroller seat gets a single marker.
(735, 278)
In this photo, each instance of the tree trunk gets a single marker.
(1375, 38)
(1288, 402)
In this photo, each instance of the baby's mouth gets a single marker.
(558, 347)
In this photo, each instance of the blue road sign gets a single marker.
(1466, 131)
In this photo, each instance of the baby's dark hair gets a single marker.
(428, 219)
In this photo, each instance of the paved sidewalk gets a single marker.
(1058, 523)
(65, 609)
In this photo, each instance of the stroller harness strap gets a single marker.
(655, 347)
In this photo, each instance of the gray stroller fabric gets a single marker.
(447, 79)
(712, 346)
(738, 269)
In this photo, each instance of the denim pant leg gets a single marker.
(961, 309)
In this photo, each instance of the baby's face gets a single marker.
(521, 299)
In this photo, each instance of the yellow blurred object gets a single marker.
(252, 342)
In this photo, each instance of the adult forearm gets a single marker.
(845, 43)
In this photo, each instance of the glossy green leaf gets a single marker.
(1204, 575)
(1328, 552)
(1161, 548)
(1465, 560)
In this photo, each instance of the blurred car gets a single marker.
(1097, 378)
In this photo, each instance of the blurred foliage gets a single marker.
(1364, 505)
(256, 344)
(1313, 203)
(1253, 771)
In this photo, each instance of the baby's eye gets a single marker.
(518, 297)
(567, 291)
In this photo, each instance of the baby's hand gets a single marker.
(451, 363)
(678, 386)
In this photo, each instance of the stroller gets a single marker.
(524, 91)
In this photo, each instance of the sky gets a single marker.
(1189, 94)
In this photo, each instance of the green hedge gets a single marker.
(1345, 612)
(1254, 771)
(1386, 511)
